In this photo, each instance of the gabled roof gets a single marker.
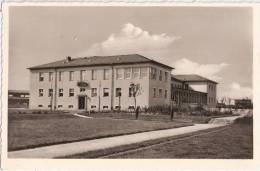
(99, 61)
(192, 78)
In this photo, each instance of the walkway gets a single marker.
(104, 143)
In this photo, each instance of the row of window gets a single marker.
(118, 92)
(212, 88)
(121, 73)
(189, 97)
(92, 106)
(71, 106)
(160, 93)
(181, 86)
(212, 100)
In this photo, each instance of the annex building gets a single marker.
(100, 83)
(106, 82)
(193, 90)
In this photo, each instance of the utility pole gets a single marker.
(99, 85)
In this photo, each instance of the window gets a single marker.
(71, 92)
(105, 92)
(41, 78)
(82, 89)
(135, 72)
(71, 75)
(105, 107)
(50, 94)
(165, 94)
(118, 92)
(154, 92)
(70, 106)
(119, 73)
(60, 92)
(153, 73)
(93, 92)
(131, 92)
(160, 75)
(106, 74)
(49, 106)
(143, 72)
(40, 92)
(93, 74)
(127, 73)
(59, 106)
(50, 76)
(82, 75)
(166, 76)
(93, 106)
(160, 92)
(60, 76)
(40, 105)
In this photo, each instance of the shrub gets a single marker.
(159, 109)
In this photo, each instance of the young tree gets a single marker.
(135, 91)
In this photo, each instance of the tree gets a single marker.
(135, 90)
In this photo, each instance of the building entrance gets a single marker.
(82, 102)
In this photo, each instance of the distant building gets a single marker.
(18, 99)
(198, 89)
(183, 94)
(99, 83)
(243, 104)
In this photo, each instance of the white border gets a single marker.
(132, 164)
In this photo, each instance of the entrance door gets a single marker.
(82, 102)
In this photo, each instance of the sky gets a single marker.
(214, 42)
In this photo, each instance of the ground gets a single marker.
(235, 142)
(34, 130)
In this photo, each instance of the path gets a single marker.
(103, 143)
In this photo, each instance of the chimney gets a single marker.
(68, 59)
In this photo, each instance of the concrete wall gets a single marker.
(157, 84)
(209, 88)
(62, 103)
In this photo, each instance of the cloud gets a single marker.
(131, 39)
(236, 91)
(186, 66)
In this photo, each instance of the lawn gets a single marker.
(34, 130)
(156, 117)
(235, 142)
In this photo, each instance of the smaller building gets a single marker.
(243, 104)
(182, 94)
(18, 99)
(195, 89)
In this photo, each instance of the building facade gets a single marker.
(195, 89)
(100, 83)
(183, 94)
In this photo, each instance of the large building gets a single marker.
(100, 83)
(196, 89)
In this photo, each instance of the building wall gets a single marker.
(62, 103)
(160, 84)
(209, 88)
(182, 94)
(199, 87)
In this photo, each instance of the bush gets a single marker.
(165, 109)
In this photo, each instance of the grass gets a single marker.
(156, 117)
(35, 130)
(229, 142)
(235, 142)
